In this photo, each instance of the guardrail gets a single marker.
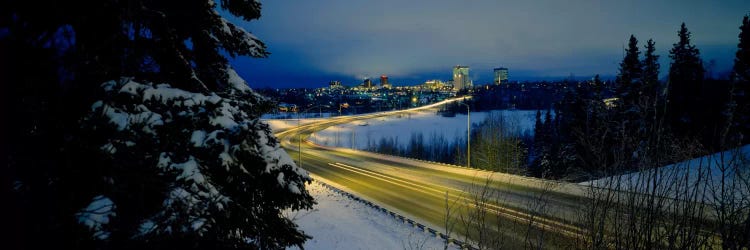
(403, 219)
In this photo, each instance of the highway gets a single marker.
(419, 189)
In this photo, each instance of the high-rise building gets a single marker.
(461, 77)
(501, 75)
(384, 82)
(367, 83)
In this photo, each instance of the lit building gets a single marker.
(461, 77)
(384, 82)
(501, 75)
(434, 84)
(367, 83)
(335, 85)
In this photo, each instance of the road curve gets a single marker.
(419, 189)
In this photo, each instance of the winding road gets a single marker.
(420, 189)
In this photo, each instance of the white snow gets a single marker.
(131, 88)
(97, 214)
(250, 40)
(313, 113)
(225, 26)
(137, 111)
(224, 121)
(146, 227)
(704, 173)
(279, 124)
(116, 117)
(197, 138)
(338, 222)
(108, 148)
(280, 179)
(96, 105)
(190, 171)
(227, 160)
(236, 81)
(362, 134)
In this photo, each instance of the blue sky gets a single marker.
(313, 42)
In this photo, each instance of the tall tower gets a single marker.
(461, 77)
(383, 80)
(501, 75)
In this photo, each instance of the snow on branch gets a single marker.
(208, 143)
(96, 215)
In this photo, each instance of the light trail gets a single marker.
(418, 188)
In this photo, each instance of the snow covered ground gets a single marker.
(361, 134)
(282, 124)
(704, 173)
(338, 222)
(292, 115)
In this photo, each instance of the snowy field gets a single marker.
(292, 115)
(361, 134)
(283, 124)
(338, 222)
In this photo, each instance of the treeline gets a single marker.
(596, 128)
(643, 125)
(496, 144)
(439, 148)
(527, 95)
(647, 122)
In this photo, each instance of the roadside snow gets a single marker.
(708, 174)
(283, 124)
(338, 222)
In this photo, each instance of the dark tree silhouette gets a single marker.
(741, 85)
(629, 77)
(684, 85)
(129, 129)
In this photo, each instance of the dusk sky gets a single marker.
(313, 42)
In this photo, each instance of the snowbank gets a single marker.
(704, 176)
(338, 222)
(283, 124)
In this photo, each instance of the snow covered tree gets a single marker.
(133, 131)
(684, 85)
(220, 175)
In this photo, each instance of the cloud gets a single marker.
(406, 38)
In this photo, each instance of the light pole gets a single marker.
(299, 140)
(299, 132)
(468, 134)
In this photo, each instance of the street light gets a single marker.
(468, 134)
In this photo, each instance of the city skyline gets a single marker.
(415, 41)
